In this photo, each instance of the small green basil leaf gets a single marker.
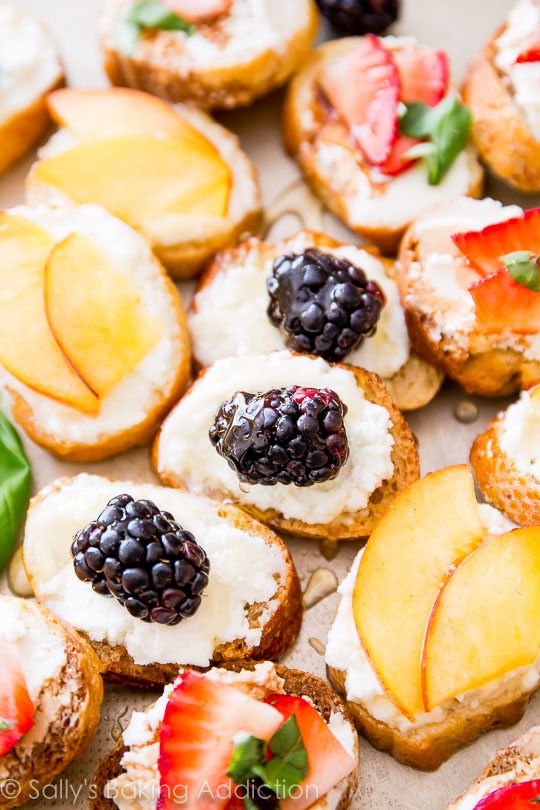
(155, 14)
(287, 744)
(248, 751)
(281, 777)
(15, 477)
(416, 121)
(450, 136)
(420, 150)
(536, 800)
(523, 268)
(5, 726)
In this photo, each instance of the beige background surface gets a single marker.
(459, 26)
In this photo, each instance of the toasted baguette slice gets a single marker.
(519, 762)
(502, 458)
(392, 446)
(227, 62)
(131, 411)
(228, 314)
(67, 701)
(24, 118)
(257, 617)
(295, 682)
(501, 132)
(183, 242)
(337, 173)
(443, 326)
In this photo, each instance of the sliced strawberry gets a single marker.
(195, 11)
(485, 248)
(363, 86)
(502, 303)
(201, 720)
(329, 763)
(530, 53)
(424, 74)
(512, 797)
(397, 162)
(16, 709)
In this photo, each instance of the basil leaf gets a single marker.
(148, 14)
(417, 120)
(536, 800)
(5, 725)
(280, 777)
(523, 268)
(248, 751)
(15, 477)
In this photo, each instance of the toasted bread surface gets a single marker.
(69, 710)
(297, 682)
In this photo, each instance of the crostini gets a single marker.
(29, 70)
(510, 781)
(503, 92)
(220, 54)
(310, 448)
(235, 726)
(50, 698)
(449, 647)
(506, 460)
(469, 286)
(360, 114)
(255, 298)
(155, 578)
(172, 173)
(94, 347)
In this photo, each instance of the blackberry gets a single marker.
(360, 16)
(285, 436)
(325, 304)
(144, 558)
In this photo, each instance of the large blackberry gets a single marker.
(360, 16)
(144, 558)
(285, 436)
(324, 303)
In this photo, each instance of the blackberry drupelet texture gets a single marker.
(360, 16)
(144, 558)
(325, 304)
(286, 436)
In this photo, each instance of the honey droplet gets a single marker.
(322, 583)
(17, 579)
(329, 549)
(317, 645)
(466, 412)
(118, 727)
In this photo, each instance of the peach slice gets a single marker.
(486, 621)
(535, 398)
(28, 350)
(142, 177)
(98, 322)
(428, 529)
(116, 111)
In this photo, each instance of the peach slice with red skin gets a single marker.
(428, 529)
(28, 350)
(485, 622)
(99, 324)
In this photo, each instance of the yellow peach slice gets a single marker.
(486, 621)
(114, 111)
(141, 178)
(535, 398)
(429, 528)
(28, 350)
(98, 322)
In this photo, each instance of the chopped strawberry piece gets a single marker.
(485, 248)
(195, 11)
(502, 304)
(16, 709)
(512, 797)
(397, 162)
(363, 86)
(424, 74)
(530, 54)
(201, 720)
(328, 761)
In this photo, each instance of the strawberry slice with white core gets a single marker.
(485, 249)
(16, 708)
(504, 304)
(328, 761)
(201, 721)
(424, 74)
(512, 797)
(363, 86)
(195, 11)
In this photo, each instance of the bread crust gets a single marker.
(80, 691)
(406, 472)
(278, 635)
(500, 132)
(515, 494)
(484, 369)
(302, 111)
(416, 382)
(111, 444)
(211, 88)
(427, 747)
(297, 682)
